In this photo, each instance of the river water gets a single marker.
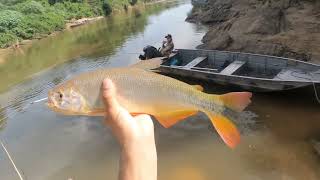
(276, 128)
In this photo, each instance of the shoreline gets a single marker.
(4, 52)
(82, 21)
(69, 25)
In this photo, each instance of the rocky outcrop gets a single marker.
(288, 28)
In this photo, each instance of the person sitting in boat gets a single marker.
(167, 46)
(152, 52)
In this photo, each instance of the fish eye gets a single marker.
(60, 95)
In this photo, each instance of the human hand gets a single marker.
(135, 136)
(126, 128)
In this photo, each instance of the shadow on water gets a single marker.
(292, 114)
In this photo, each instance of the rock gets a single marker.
(219, 11)
(220, 42)
(271, 21)
(217, 14)
(288, 28)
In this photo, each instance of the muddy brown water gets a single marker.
(276, 128)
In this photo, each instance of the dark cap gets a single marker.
(168, 36)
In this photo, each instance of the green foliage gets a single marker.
(2, 6)
(11, 2)
(10, 19)
(30, 7)
(73, 10)
(34, 25)
(133, 2)
(6, 39)
(27, 19)
(106, 8)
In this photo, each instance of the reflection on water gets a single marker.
(276, 128)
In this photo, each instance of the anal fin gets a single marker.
(168, 119)
(226, 129)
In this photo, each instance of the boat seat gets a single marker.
(205, 69)
(195, 62)
(233, 67)
(293, 75)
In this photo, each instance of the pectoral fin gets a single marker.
(198, 87)
(96, 112)
(168, 119)
(226, 129)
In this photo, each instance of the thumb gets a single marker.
(110, 99)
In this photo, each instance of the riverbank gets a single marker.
(78, 22)
(20, 45)
(35, 19)
(97, 39)
(17, 44)
(286, 28)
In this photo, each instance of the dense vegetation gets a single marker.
(28, 19)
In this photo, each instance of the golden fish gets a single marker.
(143, 92)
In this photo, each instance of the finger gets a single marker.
(109, 98)
(144, 120)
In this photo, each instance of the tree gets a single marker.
(106, 8)
(133, 2)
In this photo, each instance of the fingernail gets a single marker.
(107, 84)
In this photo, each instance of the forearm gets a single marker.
(138, 161)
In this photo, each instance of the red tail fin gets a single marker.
(237, 101)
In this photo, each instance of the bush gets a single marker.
(107, 10)
(51, 2)
(76, 10)
(133, 2)
(6, 40)
(30, 7)
(39, 24)
(12, 2)
(10, 19)
(2, 6)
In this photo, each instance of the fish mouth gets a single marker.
(51, 103)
